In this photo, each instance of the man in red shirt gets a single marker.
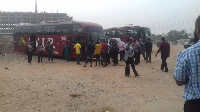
(104, 51)
(165, 51)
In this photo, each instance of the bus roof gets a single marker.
(125, 27)
(83, 24)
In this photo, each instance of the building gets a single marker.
(8, 20)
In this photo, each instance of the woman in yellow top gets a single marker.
(98, 52)
(78, 52)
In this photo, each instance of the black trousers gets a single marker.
(78, 58)
(122, 53)
(29, 57)
(50, 56)
(143, 54)
(97, 58)
(137, 58)
(105, 58)
(108, 58)
(101, 58)
(40, 55)
(115, 58)
(164, 64)
(192, 106)
(127, 68)
(148, 57)
(88, 57)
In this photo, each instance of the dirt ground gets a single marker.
(67, 87)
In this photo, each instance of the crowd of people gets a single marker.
(186, 72)
(106, 52)
(49, 48)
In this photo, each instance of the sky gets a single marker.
(160, 16)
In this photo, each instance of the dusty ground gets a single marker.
(66, 87)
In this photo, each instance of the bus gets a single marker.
(126, 32)
(58, 34)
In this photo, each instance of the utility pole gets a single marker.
(36, 6)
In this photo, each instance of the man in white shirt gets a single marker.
(129, 52)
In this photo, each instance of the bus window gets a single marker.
(77, 29)
(74, 39)
(64, 29)
(148, 33)
(113, 34)
(93, 29)
(107, 34)
(94, 33)
(49, 29)
(36, 30)
(141, 33)
(131, 32)
(26, 30)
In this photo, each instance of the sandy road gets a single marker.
(66, 87)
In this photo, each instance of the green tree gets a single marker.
(172, 36)
(175, 35)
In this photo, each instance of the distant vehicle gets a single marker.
(188, 44)
(117, 39)
(126, 32)
(58, 34)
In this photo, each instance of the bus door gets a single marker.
(73, 41)
(64, 41)
(33, 42)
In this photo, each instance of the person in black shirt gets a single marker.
(49, 49)
(148, 47)
(89, 53)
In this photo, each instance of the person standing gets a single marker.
(187, 72)
(89, 53)
(142, 47)
(78, 52)
(98, 48)
(148, 47)
(40, 52)
(67, 52)
(158, 44)
(136, 52)
(165, 51)
(109, 53)
(49, 49)
(115, 54)
(129, 52)
(29, 52)
(121, 50)
(104, 51)
(101, 58)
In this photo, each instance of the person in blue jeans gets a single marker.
(67, 52)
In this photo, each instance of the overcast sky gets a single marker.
(160, 15)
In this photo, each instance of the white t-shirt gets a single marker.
(128, 53)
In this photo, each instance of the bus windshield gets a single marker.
(94, 33)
